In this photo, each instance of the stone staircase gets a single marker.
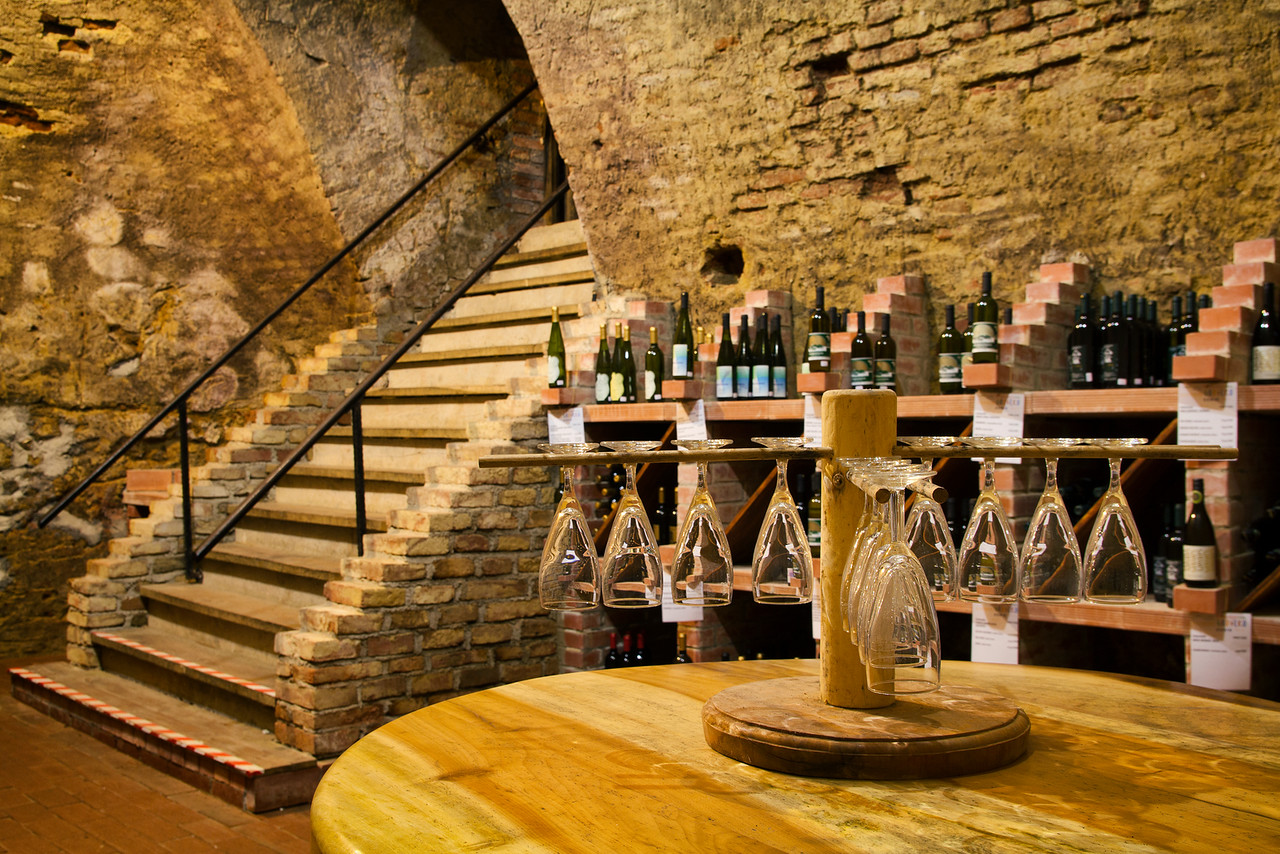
(186, 675)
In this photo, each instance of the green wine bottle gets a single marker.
(818, 346)
(745, 361)
(760, 373)
(726, 382)
(556, 373)
(616, 394)
(967, 358)
(862, 357)
(986, 325)
(950, 355)
(603, 365)
(778, 359)
(628, 368)
(654, 368)
(684, 351)
(886, 356)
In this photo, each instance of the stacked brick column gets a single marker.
(1034, 346)
(902, 298)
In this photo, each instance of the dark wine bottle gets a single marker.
(1108, 353)
(556, 372)
(1082, 346)
(1155, 347)
(661, 522)
(683, 349)
(967, 359)
(612, 658)
(744, 361)
(862, 356)
(886, 358)
(1199, 545)
(627, 658)
(1135, 370)
(813, 528)
(641, 658)
(1173, 557)
(1158, 581)
(818, 345)
(1266, 340)
(616, 391)
(726, 382)
(777, 359)
(950, 356)
(654, 367)
(628, 367)
(761, 375)
(603, 366)
(986, 320)
(1190, 322)
(682, 646)
(1175, 342)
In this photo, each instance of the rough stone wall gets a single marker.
(170, 169)
(835, 143)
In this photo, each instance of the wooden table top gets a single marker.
(615, 761)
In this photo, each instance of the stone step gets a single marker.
(305, 529)
(557, 234)
(398, 392)
(346, 473)
(474, 354)
(476, 305)
(336, 492)
(220, 617)
(303, 514)
(402, 454)
(528, 327)
(547, 256)
(286, 577)
(237, 762)
(572, 277)
(237, 682)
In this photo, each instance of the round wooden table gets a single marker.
(615, 761)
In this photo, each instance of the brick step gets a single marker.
(200, 611)
(408, 478)
(479, 305)
(279, 511)
(523, 317)
(236, 762)
(576, 249)
(474, 354)
(284, 576)
(575, 277)
(232, 680)
(418, 434)
(437, 393)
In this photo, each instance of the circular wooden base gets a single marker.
(784, 725)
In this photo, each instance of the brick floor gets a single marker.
(63, 790)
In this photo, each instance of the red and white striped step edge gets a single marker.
(208, 671)
(176, 738)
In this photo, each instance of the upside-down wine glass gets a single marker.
(632, 570)
(1049, 569)
(872, 535)
(782, 567)
(702, 572)
(1115, 566)
(928, 534)
(569, 575)
(988, 559)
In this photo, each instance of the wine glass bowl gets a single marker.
(632, 570)
(781, 565)
(988, 558)
(1115, 564)
(702, 572)
(1049, 568)
(569, 573)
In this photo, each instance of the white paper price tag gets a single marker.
(813, 418)
(672, 612)
(1208, 414)
(995, 633)
(692, 423)
(1222, 651)
(999, 415)
(816, 614)
(566, 427)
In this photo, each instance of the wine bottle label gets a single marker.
(966, 359)
(1107, 361)
(1199, 563)
(1158, 574)
(553, 371)
(779, 381)
(743, 373)
(1081, 370)
(615, 388)
(760, 381)
(602, 387)
(652, 391)
(886, 377)
(814, 532)
(861, 373)
(1172, 572)
(950, 370)
(984, 338)
(679, 360)
(1266, 363)
(818, 347)
(724, 382)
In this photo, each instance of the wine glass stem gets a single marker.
(989, 475)
(897, 510)
(1114, 485)
(1050, 475)
(782, 478)
(702, 477)
(630, 469)
(566, 480)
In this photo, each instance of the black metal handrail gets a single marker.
(353, 401)
(179, 403)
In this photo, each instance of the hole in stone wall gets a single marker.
(23, 116)
(835, 65)
(5, 57)
(99, 24)
(52, 26)
(74, 46)
(723, 265)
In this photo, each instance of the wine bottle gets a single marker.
(1136, 368)
(1199, 545)
(683, 351)
(818, 346)
(616, 393)
(862, 357)
(1190, 322)
(986, 319)
(950, 355)
(778, 359)
(682, 646)
(1155, 347)
(813, 528)
(761, 375)
(1159, 577)
(556, 373)
(1175, 343)
(641, 658)
(612, 659)
(1173, 557)
(886, 358)
(726, 382)
(1081, 344)
(967, 358)
(627, 658)
(1112, 339)
(1266, 340)
(661, 525)
(744, 361)
(603, 366)
(628, 367)
(654, 367)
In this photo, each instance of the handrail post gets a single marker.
(189, 564)
(357, 460)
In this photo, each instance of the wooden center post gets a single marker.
(835, 726)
